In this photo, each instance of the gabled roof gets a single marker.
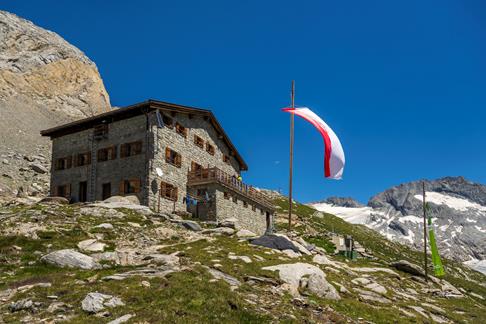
(139, 109)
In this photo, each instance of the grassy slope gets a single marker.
(190, 296)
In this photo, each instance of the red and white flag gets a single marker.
(333, 151)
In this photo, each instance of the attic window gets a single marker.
(100, 131)
(169, 122)
(181, 130)
(198, 141)
(172, 157)
(168, 191)
(210, 149)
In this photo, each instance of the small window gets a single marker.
(168, 191)
(172, 157)
(130, 186)
(261, 211)
(100, 131)
(235, 200)
(63, 163)
(226, 159)
(245, 204)
(181, 130)
(64, 191)
(210, 149)
(82, 159)
(196, 167)
(226, 195)
(198, 141)
(130, 149)
(168, 121)
(107, 153)
(253, 207)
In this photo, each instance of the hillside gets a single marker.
(44, 82)
(458, 208)
(140, 266)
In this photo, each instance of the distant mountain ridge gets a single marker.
(458, 208)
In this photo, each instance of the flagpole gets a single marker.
(425, 230)
(292, 96)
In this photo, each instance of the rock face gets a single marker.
(44, 82)
(457, 207)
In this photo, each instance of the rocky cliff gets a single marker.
(457, 206)
(44, 81)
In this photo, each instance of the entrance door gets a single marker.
(106, 191)
(83, 191)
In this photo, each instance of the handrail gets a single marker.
(215, 174)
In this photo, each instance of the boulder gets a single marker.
(71, 259)
(292, 274)
(190, 225)
(54, 200)
(91, 245)
(228, 222)
(245, 233)
(123, 319)
(106, 226)
(39, 168)
(408, 267)
(96, 302)
(21, 305)
(277, 242)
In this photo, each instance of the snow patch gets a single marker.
(451, 202)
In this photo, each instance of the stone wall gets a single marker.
(112, 171)
(167, 137)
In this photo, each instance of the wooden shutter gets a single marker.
(69, 162)
(136, 185)
(178, 160)
(89, 158)
(123, 150)
(167, 154)
(163, 188)
(121, 188)
(174, 193)
(137, 147)
(113, 152)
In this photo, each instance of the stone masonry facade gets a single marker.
(148, 148)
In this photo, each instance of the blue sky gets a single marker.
(403, 84)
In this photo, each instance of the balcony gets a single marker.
(215, 175)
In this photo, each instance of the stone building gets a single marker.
(173, 158)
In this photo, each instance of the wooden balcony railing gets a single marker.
(212, 175)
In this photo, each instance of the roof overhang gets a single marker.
(139, 109)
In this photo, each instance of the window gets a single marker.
(261, 211)
(107, 153)
(63, 191)
(63, 163)
(210, 149)
(100, 131)
(168, 121)
(82, 159)
(130, 149)
(130, 186)
(196, 167)
(226, 195)
(235, 200)
(172, 157)
(226, 159)
(253, 207)
(168, 191)
(198, 141)
(181, 130)
(245, 204)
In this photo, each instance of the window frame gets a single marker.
(199, 141)
(180, 129)
(173, 194)
(226, 159)
(67, 163)
(210, 148)
(126, 184)
(110, 151)
(176, 160)
(79, 159)
(168, 121)
(131, 149)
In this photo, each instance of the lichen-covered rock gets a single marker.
(96, 302)
(405, 266)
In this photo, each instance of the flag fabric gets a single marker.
(333, 151)
(436, 261)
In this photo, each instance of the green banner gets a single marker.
(436, 261)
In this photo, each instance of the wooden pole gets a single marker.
(425, 229)
(291, 162)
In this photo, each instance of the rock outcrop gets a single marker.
(44, 82)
